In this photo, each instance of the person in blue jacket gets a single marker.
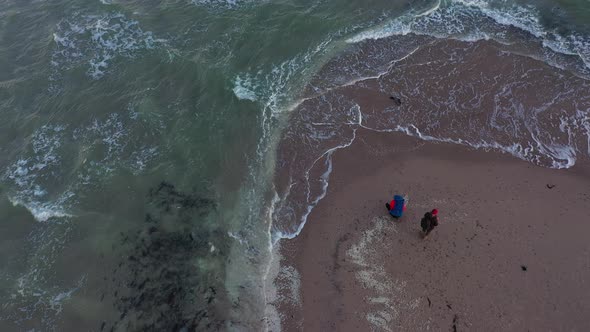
(397, 206)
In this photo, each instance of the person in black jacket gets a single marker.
(429, 221)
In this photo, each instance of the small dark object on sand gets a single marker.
(397, 100)
(523, 267)
(550, 186)
(429, 303)
(455, 323)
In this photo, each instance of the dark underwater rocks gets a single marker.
(170, 279)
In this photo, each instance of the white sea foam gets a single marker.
(244, 89)
(141, 158)
(465, 20)
(97, 40)
(524, 17)
(111, 133)
(30, 174)
(431, 10)
(276, 87)
(57, 301)
(229, 3)
(237, 237)
(36, 175)
(276, 90)
(583, 121)
(562, 156)
(40, 211)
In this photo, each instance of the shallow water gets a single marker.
(138, 139)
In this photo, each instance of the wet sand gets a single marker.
(510, 254)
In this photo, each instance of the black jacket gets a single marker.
(429, 221)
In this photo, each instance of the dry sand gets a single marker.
(510, 254)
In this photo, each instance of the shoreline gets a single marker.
(343, 288)
(471, 106)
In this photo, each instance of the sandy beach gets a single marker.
(510, 254)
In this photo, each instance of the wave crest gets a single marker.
(472, 20)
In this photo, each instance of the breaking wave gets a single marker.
(49, 177)
(244, 89)
(472, 20)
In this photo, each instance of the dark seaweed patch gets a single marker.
(166, 197)
(161, 286)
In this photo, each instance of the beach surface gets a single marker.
(510, 253)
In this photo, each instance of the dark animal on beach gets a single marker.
(550, 186)
(397, 100)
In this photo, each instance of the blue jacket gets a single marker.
(398, 205)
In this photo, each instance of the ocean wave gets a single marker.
(42, 211)
(48, 177)
(562, 156)
(472, 20)
(244, 89)
(219, 3)
(98, 40)
(29, 174)
(277, 88)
